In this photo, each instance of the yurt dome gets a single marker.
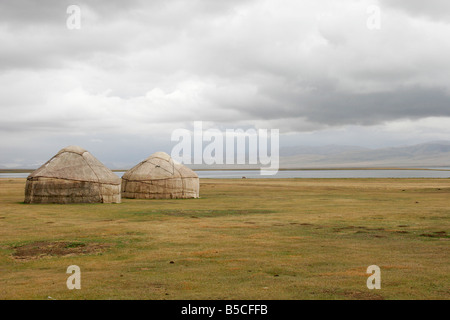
(159, 177)
(73, 175)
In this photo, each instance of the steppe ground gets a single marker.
(243, 239)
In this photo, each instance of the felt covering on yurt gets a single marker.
(160, 177)
(73, 175)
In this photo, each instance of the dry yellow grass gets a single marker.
(243, 239)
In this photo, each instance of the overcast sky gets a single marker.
(137, 70)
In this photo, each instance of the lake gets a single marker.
(255, 174)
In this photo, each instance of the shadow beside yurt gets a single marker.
(73, 175)
(159, 177)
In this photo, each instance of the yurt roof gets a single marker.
(159, 166)
(75, 163)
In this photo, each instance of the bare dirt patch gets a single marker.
(37, 250)
(359, 295)
(437, 234)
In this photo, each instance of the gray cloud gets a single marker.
(143, 68)
(28, 13)
(432, 9)
(327, 106)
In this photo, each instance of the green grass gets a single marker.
(243, 239)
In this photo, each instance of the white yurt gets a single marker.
(160, 177)
(73, 175)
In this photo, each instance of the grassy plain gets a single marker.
(243, 239)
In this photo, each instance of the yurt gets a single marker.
(159, 177)
(73, 175)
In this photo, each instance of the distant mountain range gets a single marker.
(433, 154)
